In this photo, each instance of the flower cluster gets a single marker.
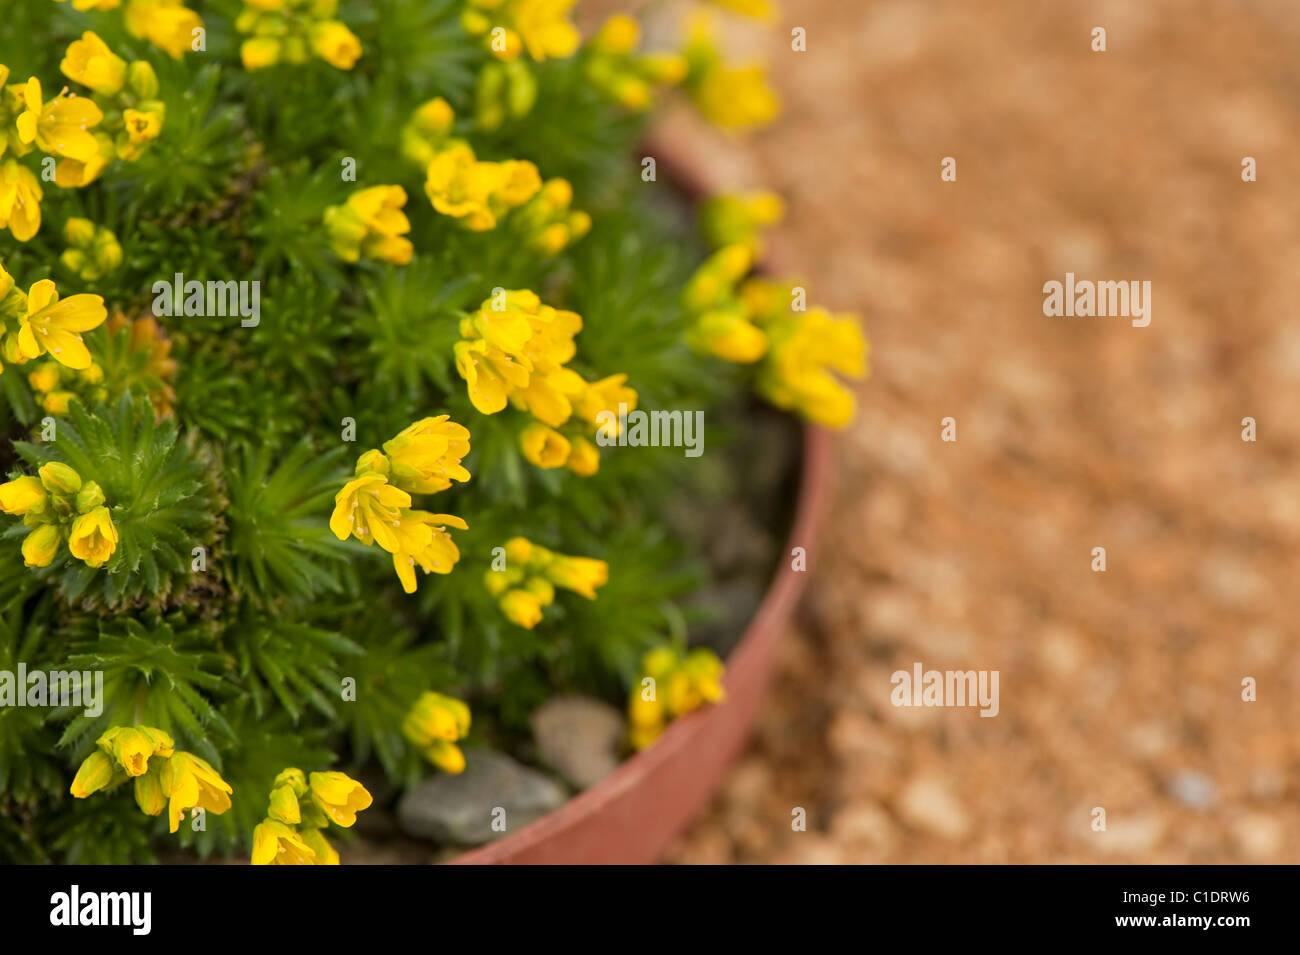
(531, 573)
(736, 218)
(671, 683)
(729, 96)
(299, 809)
(371, 224)
(54, 386)
(615, 68)
(59, 506)
(164, 777)
(476, 193)
(720, 324)
(805, 347)
(505, 90)
(164, 23)
(760, 321)
(509, 27)
(435, 724)
(547, 222)
(428, 132)
(84, 134)
(514, 349)
(375, 506)
(94, 252)
(291, 31)
(37, 322)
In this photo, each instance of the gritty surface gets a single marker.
(1119, 690)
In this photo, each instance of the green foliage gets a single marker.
(229, 615)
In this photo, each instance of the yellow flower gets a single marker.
(584, 459)
(141, 127)
(728, 334)
(164, 23)
(460, 186)
(735, 219)
(20, 200)
(52, 326)
(74, 173)
(335, 44)
(436, 716)
(60, 127)
(737, 98)
(289, 785)
(544, 29)
(678, 685)
(521, 608)
(605, 395)
(324, 852)
(148, 792)
(490, 374)
(339, 796)
(543, 446)
(95, 772)
(646, 718)
(259, 52)
(133, 746)
(190, 782)
(423, 540)
(132, 750)
(806, 348)
(23, 495)
(520, 181)
(478, 193)
(84, 5)
(539, 26)
(41, 546)
(714, 283)
(729, 97)
(434, 724)
(425, 135)
(371, 223)
(91, 63)
(548, 221)
(619, 34)
(758, 9)
(57, 402)
(425, 457)
(582, 575)
(549, 396)
(369, 508)
(274, 843)
(93, 538)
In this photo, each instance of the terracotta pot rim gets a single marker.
(748, 657)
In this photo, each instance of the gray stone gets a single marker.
(1192, 788)
(579, 737)
(460, 809)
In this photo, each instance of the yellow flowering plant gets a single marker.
(323, 329)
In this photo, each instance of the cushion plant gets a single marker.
(322, 325)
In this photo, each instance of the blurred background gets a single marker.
(1120, 690)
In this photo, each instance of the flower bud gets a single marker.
(142, 80)
(58, 478)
